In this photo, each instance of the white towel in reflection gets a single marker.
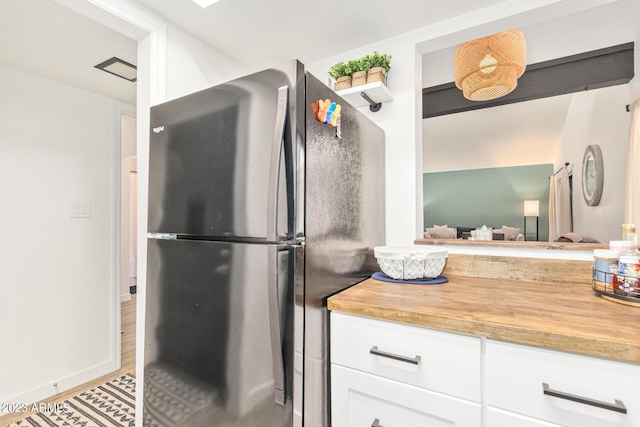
(559, 204)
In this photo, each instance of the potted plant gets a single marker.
(341, 73)
(379, 67)
(359, 76)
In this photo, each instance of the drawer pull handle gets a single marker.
(618, 406)
(376, 423)
(413, 360)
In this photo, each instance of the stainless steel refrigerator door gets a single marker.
(344, 221)
(210, 336)
(220, 157)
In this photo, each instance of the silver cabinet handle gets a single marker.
(618, 406)
(275, 330)
(274, 166)
(413, 360)
(376, 423)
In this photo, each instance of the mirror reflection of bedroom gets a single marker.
(517, 169)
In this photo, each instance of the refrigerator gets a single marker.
(258, 212)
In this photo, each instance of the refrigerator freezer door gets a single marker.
(208, 353)
(211, 160)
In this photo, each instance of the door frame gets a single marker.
(150, 32)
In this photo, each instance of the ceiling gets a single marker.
(62, 45)
(262, 33)
(524, 133)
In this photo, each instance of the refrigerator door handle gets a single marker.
(274, 165)
(275, 330)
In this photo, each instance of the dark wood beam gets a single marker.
(585, 71)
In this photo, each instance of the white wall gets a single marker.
(635, 83)
(193, 65)
(598, 117)
(401, 118)
(398, 119)
(57, 313)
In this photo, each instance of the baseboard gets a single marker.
(125, 297)
(45, 391)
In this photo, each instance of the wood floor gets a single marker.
(128, 361)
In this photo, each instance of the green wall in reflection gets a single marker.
(492, 197)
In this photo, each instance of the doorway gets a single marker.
(128, 276)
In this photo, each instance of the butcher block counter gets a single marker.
(551, 315)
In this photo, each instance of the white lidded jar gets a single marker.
(629, 265)
(624, 247)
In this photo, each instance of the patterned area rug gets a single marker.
(110, 405)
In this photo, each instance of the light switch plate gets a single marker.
(80, 209)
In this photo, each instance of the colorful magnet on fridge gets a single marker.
(323, 107)
(335, 116)
(330, 111)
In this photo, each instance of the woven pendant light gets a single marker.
(489, 67)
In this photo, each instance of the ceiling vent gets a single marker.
(204, 3)
(120, 68)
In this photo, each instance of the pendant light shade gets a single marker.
(489, 67)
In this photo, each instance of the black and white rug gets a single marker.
(111, 404)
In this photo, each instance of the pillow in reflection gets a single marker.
(510, 233)
(575, 238)
(442, 232)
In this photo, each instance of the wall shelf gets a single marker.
(376, 91)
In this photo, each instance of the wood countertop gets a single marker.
(570, 318)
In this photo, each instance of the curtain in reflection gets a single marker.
(553, 228)
(559, 204)
(632, 179)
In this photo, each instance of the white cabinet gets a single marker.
(359, 399)
(405, 376)
(440, 361)
(557, 387)
(499, 418)
(402, 375)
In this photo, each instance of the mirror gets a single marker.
(480, 166)
(497, 147)
(549, 131)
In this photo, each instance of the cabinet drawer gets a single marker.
(440, 361)
(359, 399)
(516, 374)
(498, 418)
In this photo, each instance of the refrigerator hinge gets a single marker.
(298, 241)
(162, 236)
